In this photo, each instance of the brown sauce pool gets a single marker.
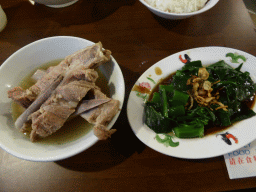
(208, 128)
(165, 81)
(158, 71)
(215, 129)
(73, 129)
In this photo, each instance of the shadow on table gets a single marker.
(82, 12)
(207, 160)
(200, 25)
(29, 22)
(193, 26)
(109, 153)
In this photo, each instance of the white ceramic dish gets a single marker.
(3, 19)
(197, 148)
(56, 3)
(19, 65)
(176, 16)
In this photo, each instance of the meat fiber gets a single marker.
(55, 111)
(89, 57)
(21, 96)
(23, 118)
(102, 115)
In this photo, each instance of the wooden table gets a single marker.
(138, 39)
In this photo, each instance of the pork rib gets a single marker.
(89, 57)
(55, 111)
(102, 115)
(79, 78)
(23, 118)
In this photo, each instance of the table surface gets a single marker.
(137, 39)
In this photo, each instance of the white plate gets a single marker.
(17, 66)
(211, 145)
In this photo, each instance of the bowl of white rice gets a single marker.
(178, 9)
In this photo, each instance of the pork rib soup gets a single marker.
(61, 91)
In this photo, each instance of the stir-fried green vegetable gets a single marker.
(175, 107)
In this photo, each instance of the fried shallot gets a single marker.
(201, 91)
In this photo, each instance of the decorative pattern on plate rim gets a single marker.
(226, 138)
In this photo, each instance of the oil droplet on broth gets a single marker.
(158, 71)
(71, 130)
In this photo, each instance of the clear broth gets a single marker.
(72, 129)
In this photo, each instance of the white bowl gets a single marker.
(16, 67)
(176, 16)
(56, 3)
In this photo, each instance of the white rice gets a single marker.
(177, 6)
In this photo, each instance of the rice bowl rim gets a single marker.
(181, 14)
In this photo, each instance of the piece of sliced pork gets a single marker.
(23, 118)
(55, 111)
(101, 132)
(89, 57)
(102, 115)
(21, 96)
(39, 74)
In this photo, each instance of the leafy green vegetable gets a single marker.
(189, 130)
(165, 104)
(179, 98)
(180, 78)
(157, 122)
(176, 111)
(167, 111)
